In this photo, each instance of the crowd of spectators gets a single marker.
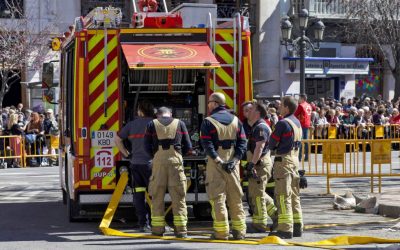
(36, 128)
(353, 118)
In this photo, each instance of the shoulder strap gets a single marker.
(166, 132)
(296, 130)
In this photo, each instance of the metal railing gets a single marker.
(350, 158)
(18, 151)
(327, 9)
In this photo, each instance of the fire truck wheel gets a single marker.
(64, 196)
(73, 210)
(202, 211)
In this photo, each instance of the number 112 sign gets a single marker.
(104, 158)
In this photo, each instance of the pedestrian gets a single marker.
(224, 140)
(303, 113)
(140, 160)
(259, 169)
(167, 139)
(34, 134)
(15, 142)
(50, 127)
(286, 141)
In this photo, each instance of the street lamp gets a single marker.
(302, 43)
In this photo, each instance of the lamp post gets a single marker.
(302, 43)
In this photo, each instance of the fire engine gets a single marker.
(173, 58)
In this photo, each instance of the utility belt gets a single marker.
(226, 144)
(296, 148)
(166, 144)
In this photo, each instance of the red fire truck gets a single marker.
(174, 58)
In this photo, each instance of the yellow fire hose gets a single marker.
(324, 244)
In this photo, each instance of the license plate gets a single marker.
(103, 138)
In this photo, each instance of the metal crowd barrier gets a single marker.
(11, 150)
(16, 150)
(350, 158)
(43, 151)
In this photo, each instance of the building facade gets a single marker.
(49, 18)
(337, 70)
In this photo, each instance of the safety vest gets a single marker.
(226, 137)
(297, 132)
(166, 134)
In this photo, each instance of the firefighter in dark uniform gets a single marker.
(140, 160)
(167, 139)
(259, 169)
(223, 138)
(286, 141)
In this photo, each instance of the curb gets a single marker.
(389, 205)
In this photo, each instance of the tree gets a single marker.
(376, 23)
(22, 45)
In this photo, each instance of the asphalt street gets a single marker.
(34, 217)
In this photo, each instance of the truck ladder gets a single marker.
(216, 43)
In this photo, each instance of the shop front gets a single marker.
(326, 77)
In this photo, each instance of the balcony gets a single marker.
(324, 9)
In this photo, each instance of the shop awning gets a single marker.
(169, 56)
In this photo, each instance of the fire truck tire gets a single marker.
(202, 211)
(73, 210)
(64, 196)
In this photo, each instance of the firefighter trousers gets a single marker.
(140, 174)
(168, 173)
(222, 187)
(287, 191)
(261, 203)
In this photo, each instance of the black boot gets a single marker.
(238, 235)
(297, 230)
(282, 235)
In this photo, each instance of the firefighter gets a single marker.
(259, 169)
(286, 141)
(140, 160)
(167, 139)
(223, 138)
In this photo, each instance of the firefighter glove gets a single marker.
(225, 166)
(249, 166)
(303, 182)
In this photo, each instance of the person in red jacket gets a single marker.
(303, 113)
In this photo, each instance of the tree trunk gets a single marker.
(396, 75)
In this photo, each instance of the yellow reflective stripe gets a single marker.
(270, 184)
(94, 41)
(99, 58)
(238, 225)
(271, 209)
(245, 184)
(297, 218)
(283, 206)
(224, 76)
(219, 50)
(243, 163)
(98, 80)
(140, 189)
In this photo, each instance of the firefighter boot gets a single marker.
(282, 235)
(297, 230)
(259, 228)
(238, 235)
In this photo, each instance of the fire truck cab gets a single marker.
(173, 58)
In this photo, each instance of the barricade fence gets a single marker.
(350, 158)
(29, 150)
(343, 131)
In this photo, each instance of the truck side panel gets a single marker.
(104, 103)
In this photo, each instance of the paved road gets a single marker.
(33, 217)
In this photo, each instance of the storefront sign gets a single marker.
(329, 66)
